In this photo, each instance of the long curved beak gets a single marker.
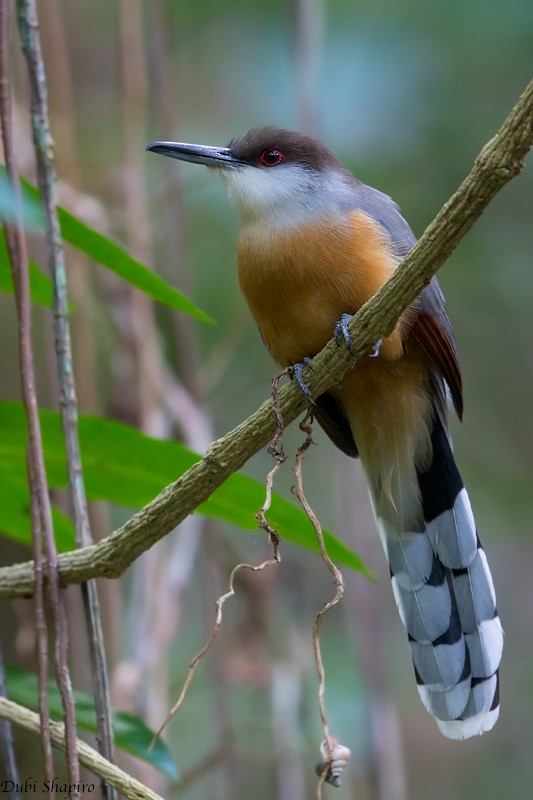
(196, 153)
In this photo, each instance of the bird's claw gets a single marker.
(297, 370)
(376, 349)
(341, 333)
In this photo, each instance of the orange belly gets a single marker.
(299, 282)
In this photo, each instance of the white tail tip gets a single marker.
(473, 726)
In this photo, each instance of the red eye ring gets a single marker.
(271, 157)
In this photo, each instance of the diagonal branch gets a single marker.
(499, 161)
(128, 787)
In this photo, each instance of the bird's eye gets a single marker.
(271, 157)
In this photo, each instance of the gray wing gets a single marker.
(385, 212)
(432, 328)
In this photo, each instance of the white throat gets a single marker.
(287, 195)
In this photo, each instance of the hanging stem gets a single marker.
(39, 501)
(47, 179)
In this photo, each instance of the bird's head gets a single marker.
(272, 175)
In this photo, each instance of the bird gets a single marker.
(315, 243)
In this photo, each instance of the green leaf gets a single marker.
(126, 467)
(15, 513)
(115, 258)
(32, 217)
(15, 504)
(103, 250)
(131, 733)
(40, 284)
(30, 208)
(98, 247)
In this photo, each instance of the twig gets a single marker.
(339, 593)
(28, 23)
(41, 628)
(275, 449)
(213, 635)
(41, 518)
(499, 161)
(120, 780)
(47, 178)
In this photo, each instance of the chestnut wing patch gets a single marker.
(440, 348)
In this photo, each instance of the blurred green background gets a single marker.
(405, 93)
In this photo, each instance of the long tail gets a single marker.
(442, 584)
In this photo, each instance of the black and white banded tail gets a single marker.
(444, 591)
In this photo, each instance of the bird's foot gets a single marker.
(342, 334)
(297, 370)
